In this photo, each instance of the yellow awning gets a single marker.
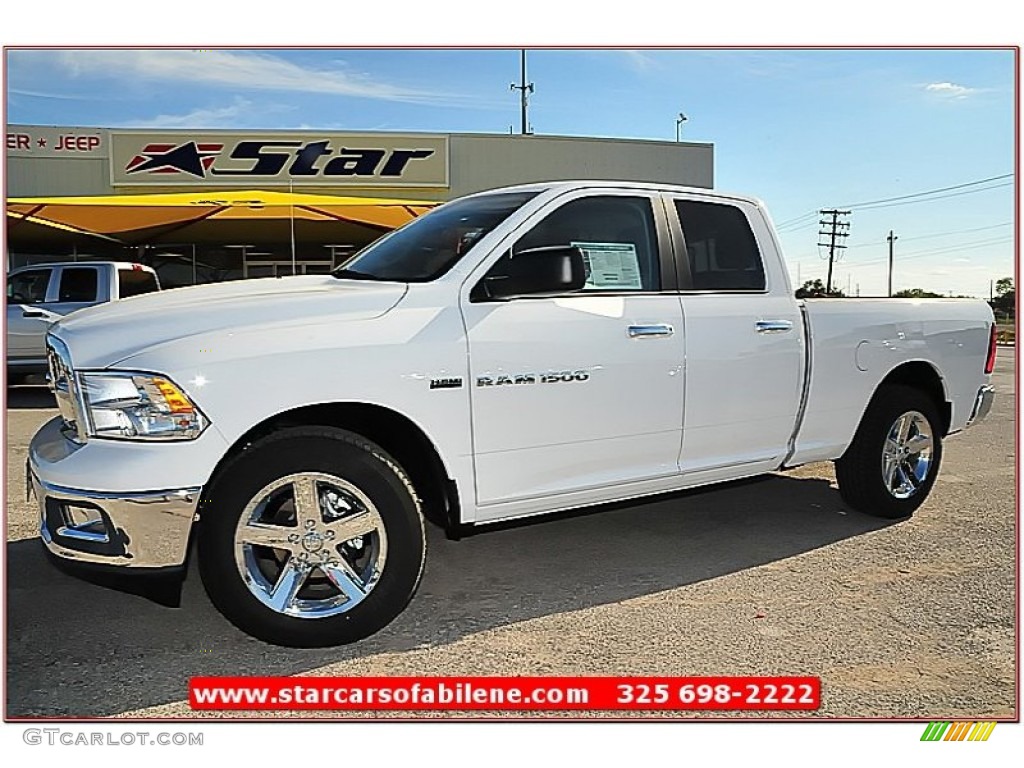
(155, 215)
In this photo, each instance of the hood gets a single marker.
(104, 335)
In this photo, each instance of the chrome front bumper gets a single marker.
(135, 530)
(982, 404)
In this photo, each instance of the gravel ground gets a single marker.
(908, 619)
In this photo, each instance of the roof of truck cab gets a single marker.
(116, 264)
(543, 186)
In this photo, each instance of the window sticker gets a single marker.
(610, 266)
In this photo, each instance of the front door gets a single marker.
(577, 392)
(28, 316)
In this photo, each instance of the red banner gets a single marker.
(521, 694)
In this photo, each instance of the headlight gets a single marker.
(139, 406)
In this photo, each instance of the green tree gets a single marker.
(1005, 302)
(916, 293)
(815, 289)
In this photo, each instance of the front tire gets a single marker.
(890, 467)
(311, 537)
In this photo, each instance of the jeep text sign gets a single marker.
(259, 159)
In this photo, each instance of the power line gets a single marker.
(795, 219)
(935, 251)
(935, 197)
(881, 201)
(929, 191)
(935, 234)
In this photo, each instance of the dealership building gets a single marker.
(205, 205)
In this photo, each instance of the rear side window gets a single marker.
(78, 284)
(28, 287)
(720, 246)
(133, 282)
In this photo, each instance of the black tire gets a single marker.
(323, 461)
(861, 472)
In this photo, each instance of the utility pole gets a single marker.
(892, 239)
(836, 231)
(523, 88)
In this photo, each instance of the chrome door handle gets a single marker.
(773, 326)
(643, 331)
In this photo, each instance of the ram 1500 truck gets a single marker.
(513, 352)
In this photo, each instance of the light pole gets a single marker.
(679, 124)
(523, 88)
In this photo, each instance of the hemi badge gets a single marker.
(445, 383)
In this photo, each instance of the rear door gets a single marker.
(744, 343)
(582, 391)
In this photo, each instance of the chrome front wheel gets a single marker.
(311, 537)
(310, 545)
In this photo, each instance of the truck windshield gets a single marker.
(426, 248)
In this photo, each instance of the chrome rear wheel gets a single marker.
(889, 468)
(907, 455)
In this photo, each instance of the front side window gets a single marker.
(617, 236)
(720, 246)
(78, 284)
(28, 287)
(426, 248)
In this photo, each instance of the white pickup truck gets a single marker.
(514, 352)
(39, 295)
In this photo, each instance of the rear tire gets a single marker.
(311, 537)
(890, 467)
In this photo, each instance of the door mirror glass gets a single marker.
(553, 269)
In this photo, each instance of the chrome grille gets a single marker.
(63, 385)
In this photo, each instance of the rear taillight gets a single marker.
(990, 362)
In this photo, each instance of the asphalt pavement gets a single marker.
(907, 619)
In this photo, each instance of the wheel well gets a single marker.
(922, 376)
(396, 434)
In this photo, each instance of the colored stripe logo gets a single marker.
(958, 731)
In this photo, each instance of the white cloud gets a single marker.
(951, 90)
(236, 69)
(48, 95)
(204, 117)
(639, 61)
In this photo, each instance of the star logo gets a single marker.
(191, 158)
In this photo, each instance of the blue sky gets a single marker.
(801, 129)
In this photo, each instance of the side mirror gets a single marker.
(550, 269)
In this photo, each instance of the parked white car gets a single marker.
(511, 353)
(39, 295)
